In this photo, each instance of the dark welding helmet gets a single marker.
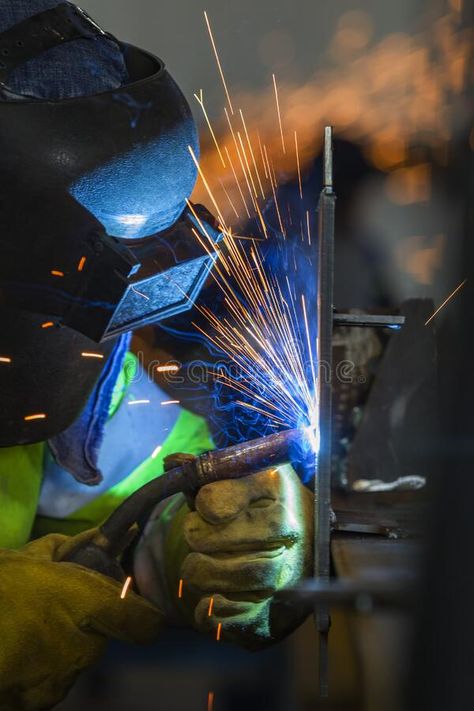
(96, 237)
(95, 232)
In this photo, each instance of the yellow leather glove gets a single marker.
(56, 619)
(245, 540)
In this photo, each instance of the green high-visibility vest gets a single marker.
(21, 475)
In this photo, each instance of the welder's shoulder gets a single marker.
(145, 427)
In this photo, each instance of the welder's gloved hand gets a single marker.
(245, 540)
(56, 619)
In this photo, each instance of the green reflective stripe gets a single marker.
(124, 380)
(190, 434)
(21, 472)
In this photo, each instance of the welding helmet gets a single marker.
(96, 235)
(95, 230)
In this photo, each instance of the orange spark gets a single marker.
(81, 264)
(5, 359)
(262, 156)
(249, 172)
(210, 701)
(126, 585)
(218, 631)
(453, 293)
(57, 273)
(180, 588)
(229, 199)
(167, 368)
(252, 153)
(85, 354)
(47, 324)
(30, 418)
(279, 114)
(298, 165)
(237, 150)
(206, 184)
(211, 605)
(218, 62)
(275, 198)
(200, 100)
(237, 182)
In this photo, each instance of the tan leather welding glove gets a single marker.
(245, 540)
(55, 621)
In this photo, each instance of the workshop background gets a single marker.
(393, 79)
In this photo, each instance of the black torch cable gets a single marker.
(231, 463)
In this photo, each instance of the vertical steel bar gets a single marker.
(322, 487)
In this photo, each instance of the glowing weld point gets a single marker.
(218, 631)
(81, 264)
(54, 272)
(92, 355)
(138, 402)
(313, 437)
(30, 418)
(210, 701)
(171, 402)
(5, 359)
(180, 588)
(167, 368)
(211, 605)
(126, 585)
(156, 451)
(47, 324)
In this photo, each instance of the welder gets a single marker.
(95, 240)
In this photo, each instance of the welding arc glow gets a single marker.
(266, 333)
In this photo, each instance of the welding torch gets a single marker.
(130, 518)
